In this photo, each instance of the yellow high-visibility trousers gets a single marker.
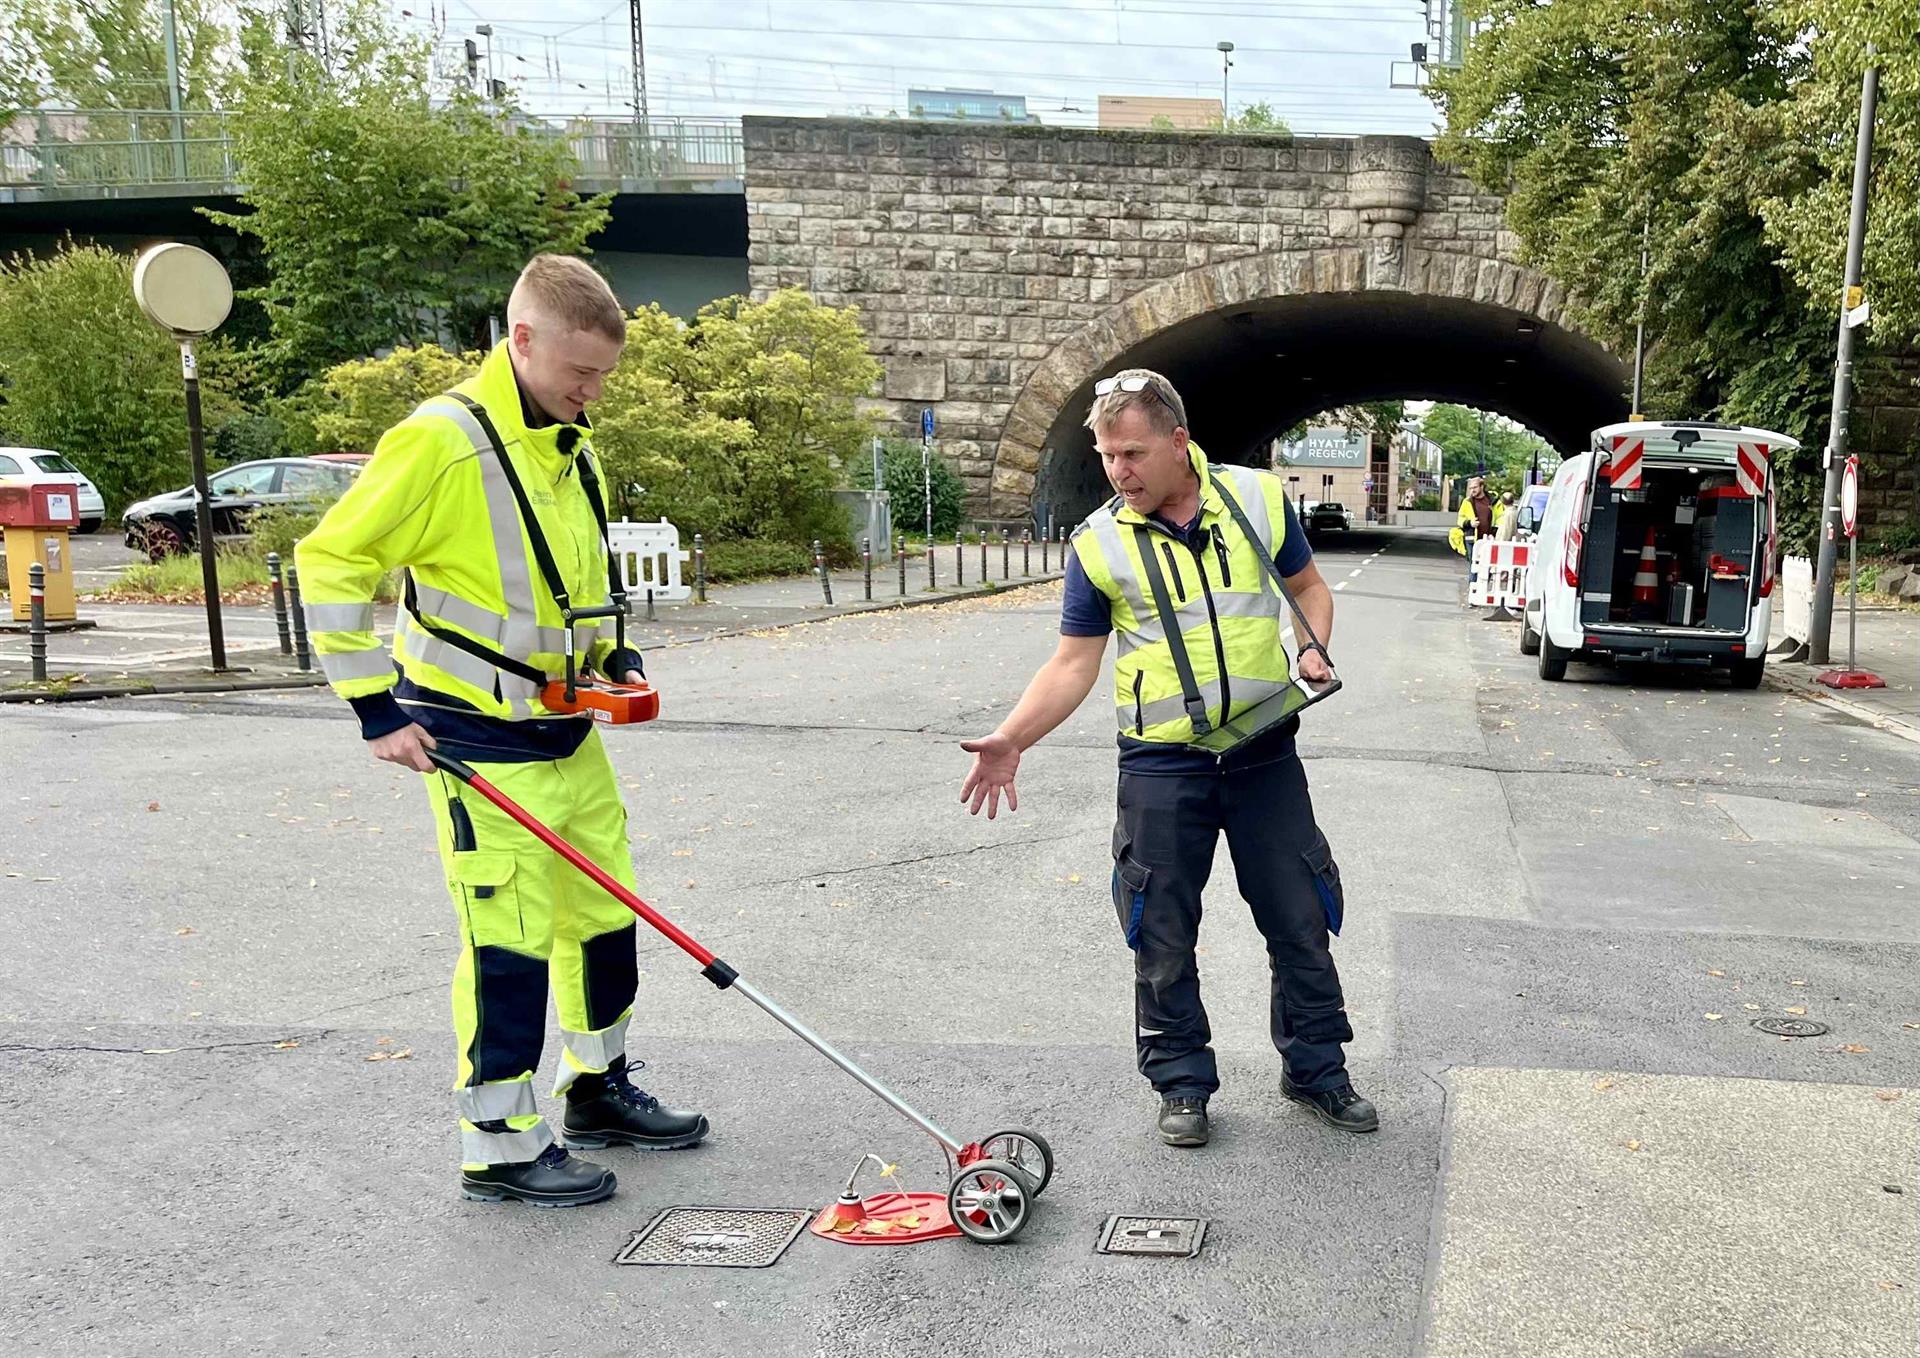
(530, 920)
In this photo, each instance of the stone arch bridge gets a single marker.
(1001, 270)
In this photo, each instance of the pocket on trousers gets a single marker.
(1326, 881)
(488, 897)
(1130, 878)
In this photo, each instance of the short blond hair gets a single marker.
(1162, 404)
(569, 292)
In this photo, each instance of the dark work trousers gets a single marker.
(1163, 854)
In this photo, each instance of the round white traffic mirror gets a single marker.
(182, 288)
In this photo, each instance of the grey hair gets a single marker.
(1162, 404)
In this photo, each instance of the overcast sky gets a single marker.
(1323, 65)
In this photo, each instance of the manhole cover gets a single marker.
(1164, 1237)
(716, 1237)
(1791, 1027)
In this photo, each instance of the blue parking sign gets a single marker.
(926, 422)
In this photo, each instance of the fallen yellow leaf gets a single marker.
(842, 1227)
(1716, 973)
(287, 1045)
(1797, 1009)
(1796, 982)
(1633, 1145)
(183, 931)
(1602, 1085)
(1886, 1095)
(1749, 1006)
(1855, 1049)
(1713, 1018)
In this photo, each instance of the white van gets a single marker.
(1658, 544)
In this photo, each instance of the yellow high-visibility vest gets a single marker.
(1231, 617)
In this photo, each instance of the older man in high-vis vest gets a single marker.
(489, 498)
(1173, 565)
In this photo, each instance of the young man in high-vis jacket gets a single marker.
(1173, 564)
(489, 498)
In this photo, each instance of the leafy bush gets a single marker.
(368, 396)
(88, 376)
(905, 483)
(751, 559)
(277, 528)
(736, 426)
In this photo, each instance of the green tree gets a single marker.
(86, 374)
(110, 54)
(366, 397)
(666, 455)
(739, 425)
(383, 217)
(1510, 451)
(796, 372)
(1259, 118)
(1719, 133)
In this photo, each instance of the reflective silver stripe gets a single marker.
(468, 669)
(504, 1148)
(340, 666)
(590, 1051)
(1246, 692)
(1251, 496)
(338, 617)
(483, 624)
(518, 637)
(1106, 532)
(495, 1102)
(1193, 613)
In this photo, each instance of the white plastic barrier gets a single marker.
(649, 558)
(1500, 574)
(1796, 587)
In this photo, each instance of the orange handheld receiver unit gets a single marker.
(600, 699)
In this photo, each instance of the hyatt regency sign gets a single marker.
(1326, 448)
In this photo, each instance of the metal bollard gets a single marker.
(1006, 555)
(959, 557)
(302, 657)
(932, 583)
(820, 565)
(699, 569)
(650, 617)
(37, 621)
(1043, 554)
(983, 556)
(866, 562)
(279, 603)
(1026, 551)
(900, 556)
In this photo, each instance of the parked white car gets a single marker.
(44, 466)
(1658, 544)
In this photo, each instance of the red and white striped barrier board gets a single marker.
(1623, 469)
(1500, 574)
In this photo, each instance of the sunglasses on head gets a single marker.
(1107, 385)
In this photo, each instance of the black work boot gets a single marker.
(556, 1179)
(1338, 1107)
(606, 1110)
(1183, 1120)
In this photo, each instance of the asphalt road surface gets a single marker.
(1566, 905)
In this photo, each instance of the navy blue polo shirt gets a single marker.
(1086, 612)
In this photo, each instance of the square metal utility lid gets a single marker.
(1160, 1237)
(715, 1237)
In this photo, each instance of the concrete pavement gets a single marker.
(1549, 887)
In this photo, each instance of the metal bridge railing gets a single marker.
(102, 150)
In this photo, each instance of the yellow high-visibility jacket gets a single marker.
(436, 501)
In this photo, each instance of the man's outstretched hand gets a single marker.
(995, 761)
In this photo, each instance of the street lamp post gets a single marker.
(185, 291)
(1226, 64)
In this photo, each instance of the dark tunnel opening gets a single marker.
(1249, 372)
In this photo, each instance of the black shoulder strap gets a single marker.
(590, 483)
(1267, 565)
(1176, 641)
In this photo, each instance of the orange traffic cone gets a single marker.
(1646, 581)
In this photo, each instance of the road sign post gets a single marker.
(1852, 676)
(926, 481)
